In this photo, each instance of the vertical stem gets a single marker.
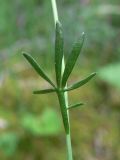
(68, 136)
(55, 12)
(69, 147)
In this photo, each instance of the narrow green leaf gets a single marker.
(62, 102)
(80, 83)
(72, 59)
(44, 91)
(75, 105)
(58, 52)
(37, 68)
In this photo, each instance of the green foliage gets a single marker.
(9, 142)
(37, 68)
(27, 25)
(75, 105)
(44, 91)
(62, 75)
(58, 53)
(80, 83)
(58, 68)
(72, 59)
(111, 74)
(46, 124)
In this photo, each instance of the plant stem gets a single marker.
(55, 12)
(68, 136)
(65, 95)
(69, 147)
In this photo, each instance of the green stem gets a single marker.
(65, 115)
(63, 98)
(69, 147)
(68, 136)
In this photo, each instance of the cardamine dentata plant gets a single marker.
(63, 72)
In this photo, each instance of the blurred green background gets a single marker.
(31, 126)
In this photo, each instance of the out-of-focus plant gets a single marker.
(46, 124)
(63, 72)
(111, 74)
(9, 142)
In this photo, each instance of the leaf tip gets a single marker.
(94, 73)
(82, 104)
(24, 54)
(33, 92)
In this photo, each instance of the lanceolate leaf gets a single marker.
(80, 83)
(37, 68)
(72, 59)
(75, 105)
(58, 52)
(44, 91)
